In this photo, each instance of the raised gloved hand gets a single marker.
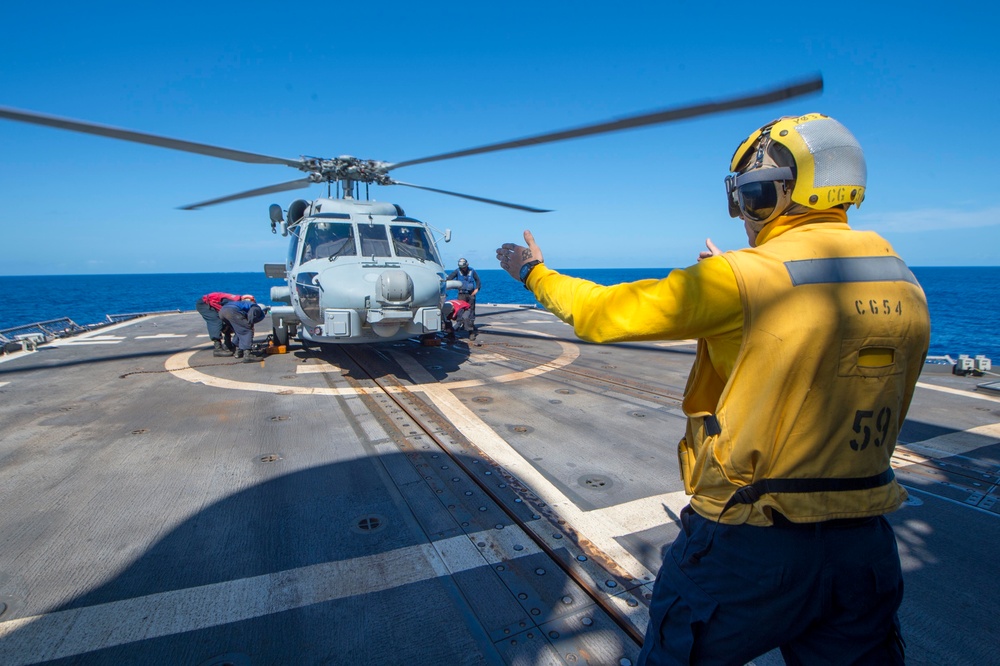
(512, 256)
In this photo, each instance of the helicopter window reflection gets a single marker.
(412, 242)
(374, 241)
(327, 240)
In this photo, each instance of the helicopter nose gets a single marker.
(394, 288)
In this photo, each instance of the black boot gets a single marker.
(238, 353)
(219, 350)
(248, 357)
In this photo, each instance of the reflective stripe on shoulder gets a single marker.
(849, 269)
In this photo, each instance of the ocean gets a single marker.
(958, 297)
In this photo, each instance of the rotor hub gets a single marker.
(346, 167)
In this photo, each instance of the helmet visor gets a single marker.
(754, 195)
(757, 200)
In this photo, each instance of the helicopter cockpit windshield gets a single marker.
(329, 239)
(412, 242)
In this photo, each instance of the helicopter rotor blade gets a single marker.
(281, 187)
(474, 198)
(631, 122)
(142, 137)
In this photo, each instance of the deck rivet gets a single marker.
(595, 482)
(587, 621)
(369, 523)
(567, 600)
(518, 546)
(539, 572)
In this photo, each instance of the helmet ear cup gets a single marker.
(761, 190)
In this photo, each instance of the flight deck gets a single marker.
(502, 501)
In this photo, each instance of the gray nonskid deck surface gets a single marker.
(265, 514)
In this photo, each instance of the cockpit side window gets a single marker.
(293, 246)
(413, 242)
(328, 239)
(374, 240)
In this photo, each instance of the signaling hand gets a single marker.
(512, 256)
(711, 252)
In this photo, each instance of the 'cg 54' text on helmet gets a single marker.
(809, 161)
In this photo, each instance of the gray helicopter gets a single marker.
(360, 271)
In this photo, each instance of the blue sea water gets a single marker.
(963, 301)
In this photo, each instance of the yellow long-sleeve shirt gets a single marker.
(700, 301)
(866, 360)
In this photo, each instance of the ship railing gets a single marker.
(41, 331)
(29, 336)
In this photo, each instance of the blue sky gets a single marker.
(917, 83)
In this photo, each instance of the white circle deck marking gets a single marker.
(179, 366)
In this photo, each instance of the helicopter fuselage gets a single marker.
(356, 272)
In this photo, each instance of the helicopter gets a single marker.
(358, 270)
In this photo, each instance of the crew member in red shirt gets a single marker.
(208, 307)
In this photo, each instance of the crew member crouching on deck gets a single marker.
(242, 315)
(208, 307)
(456, 311)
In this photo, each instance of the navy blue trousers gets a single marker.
(241, 327)
(825, 593)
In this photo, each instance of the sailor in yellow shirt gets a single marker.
(810, 343)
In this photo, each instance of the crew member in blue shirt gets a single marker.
(467, 292)
(242, 315)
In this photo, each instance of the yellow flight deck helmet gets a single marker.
(809, 160)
